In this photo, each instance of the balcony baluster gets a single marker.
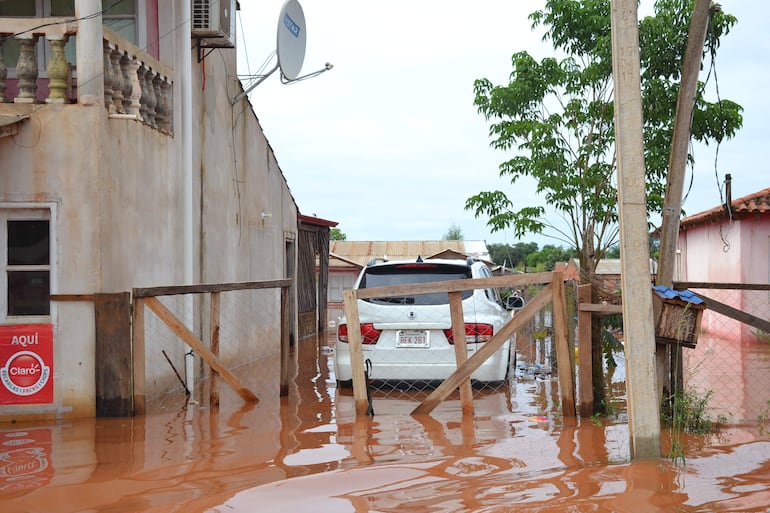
(117, 81)
(58, 71)
(26, 69)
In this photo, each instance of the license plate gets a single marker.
(412, 339)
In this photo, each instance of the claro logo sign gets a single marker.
(26, 364)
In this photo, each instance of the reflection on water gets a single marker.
(308, 452)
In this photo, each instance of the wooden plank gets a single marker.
(682, 285)
(680, 141)
(599, 308)
(461, 349)
(561, 337)
(195, 343)
(488, 349)
(585, 360)
(734, 313)
(138, 355)
(175, 290)
(216, 298)
(113, 354)
(514, 280)
(356, 352)
(285, 341)
(72, 297)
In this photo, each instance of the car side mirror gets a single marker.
(514, 303)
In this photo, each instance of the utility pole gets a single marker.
(638, 321)
(672, 203)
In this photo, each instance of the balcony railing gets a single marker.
(136, 85)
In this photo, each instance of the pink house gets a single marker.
(729, 244)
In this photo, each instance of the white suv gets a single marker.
(409, 338)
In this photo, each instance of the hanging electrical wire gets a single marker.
(63, 21)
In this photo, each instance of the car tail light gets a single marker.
(474, 333)
(369, 335)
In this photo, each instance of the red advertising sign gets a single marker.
(26, 364)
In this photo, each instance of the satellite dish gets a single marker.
(292, 37)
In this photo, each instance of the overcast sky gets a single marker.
(389, 144)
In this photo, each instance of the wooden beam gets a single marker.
(356, 352)
(561, 337)
(488, 349)
(638, 320)
(461, 349)
(677, 162)
(72, 297)
(285, 341)
(207, 288)
(585, 360)
(587, 306)
(112, 314)
(682, 285)
(138, 358)
(178, 327)
(216, 298)
(734, 313)
(514, 280)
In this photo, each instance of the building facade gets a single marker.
(126, 160)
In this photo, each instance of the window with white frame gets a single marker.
(26, 261)
(338, 283)
(119, 15)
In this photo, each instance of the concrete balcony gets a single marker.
(134, 85)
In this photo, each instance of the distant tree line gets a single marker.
(528, 257)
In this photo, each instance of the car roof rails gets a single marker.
(374, 261)
(470, 260)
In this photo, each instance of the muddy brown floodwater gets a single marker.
(309, 453)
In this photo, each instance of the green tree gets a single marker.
(337, 234)
(511, 256)
(556, 118)
(546, 258)
(454, 233)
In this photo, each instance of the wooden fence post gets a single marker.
(113, 354)
(285, 340)
(561, 336)
(138, 355)
(356, 353)
(461, 349)
(214, 390)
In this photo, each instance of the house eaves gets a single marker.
(757, 203)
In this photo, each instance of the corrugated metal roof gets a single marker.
(683, 295)
(364, 251)
(757, 203)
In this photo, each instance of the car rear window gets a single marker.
(411, 274)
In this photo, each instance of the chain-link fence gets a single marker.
(239, 329)
(730, 364)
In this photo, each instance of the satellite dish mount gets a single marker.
(291, 40)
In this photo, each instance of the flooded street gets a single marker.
(308, 453)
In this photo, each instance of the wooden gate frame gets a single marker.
(553, 292)
(148, 297)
